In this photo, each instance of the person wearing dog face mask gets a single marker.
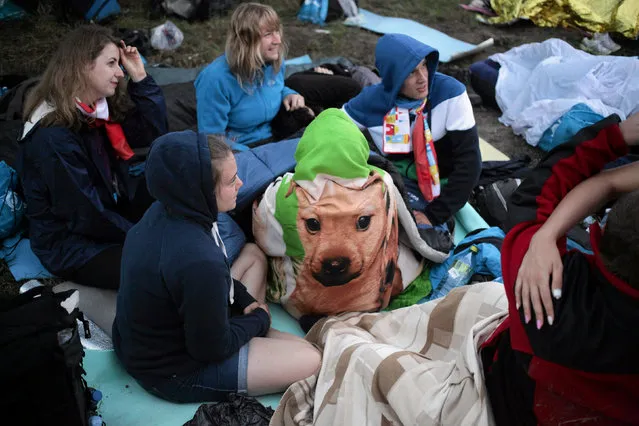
(423, 121)
(189, 326)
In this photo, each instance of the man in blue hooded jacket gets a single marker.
(412, 91)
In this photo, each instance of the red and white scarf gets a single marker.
(100, 117)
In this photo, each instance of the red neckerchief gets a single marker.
(425, 157)
(114, 131)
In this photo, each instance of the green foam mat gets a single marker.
(126, 403)
(467, 220)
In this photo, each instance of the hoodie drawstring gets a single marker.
(218, 240)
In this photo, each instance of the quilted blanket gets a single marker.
(413, 366)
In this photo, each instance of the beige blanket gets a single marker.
(414, 366)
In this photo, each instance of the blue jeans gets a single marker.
(416, 200)
(209, 384)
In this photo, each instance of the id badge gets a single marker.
(397, 132)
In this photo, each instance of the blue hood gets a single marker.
(180, 176)
(396, 56)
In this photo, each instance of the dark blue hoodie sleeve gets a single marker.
(148, 120)
(465, 158)
(211, 336)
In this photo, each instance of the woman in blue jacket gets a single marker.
(241, 92)
(76, 150)
(186, 328)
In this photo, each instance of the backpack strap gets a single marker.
(496, 241)
(23, 298)
(14, 109)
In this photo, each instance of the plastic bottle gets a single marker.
(96, 397)
(29, 285)
(95, 421)
(459, 274)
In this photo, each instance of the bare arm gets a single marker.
(543, 259)
(588, 197)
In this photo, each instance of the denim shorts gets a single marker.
(209, 384)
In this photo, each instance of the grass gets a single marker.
(28, 44)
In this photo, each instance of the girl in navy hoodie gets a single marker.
(186, 328)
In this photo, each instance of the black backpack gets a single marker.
(41, 360)
(497, 182)
(11, 120)
(491, 200)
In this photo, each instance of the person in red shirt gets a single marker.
(569, 349)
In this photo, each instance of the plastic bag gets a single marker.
(239, 410)
(313, 11)
(166, 36)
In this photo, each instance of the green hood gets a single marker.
(332, 148)
(332, 145)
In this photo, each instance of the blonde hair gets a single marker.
(242, 50)
(220, 151)
(66, 77)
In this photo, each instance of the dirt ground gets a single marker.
(27, 45)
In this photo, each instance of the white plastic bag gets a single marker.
(540, 82)
(166, 36)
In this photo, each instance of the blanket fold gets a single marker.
(412, 366)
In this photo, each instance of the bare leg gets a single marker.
(98, 304)
(275, 363)
(276, 334)
(250, 269)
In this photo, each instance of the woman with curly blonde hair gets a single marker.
(241, 92)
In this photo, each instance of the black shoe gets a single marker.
(437, 238)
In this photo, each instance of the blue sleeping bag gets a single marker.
(257, 168)
(567, 126)
(483, 79)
